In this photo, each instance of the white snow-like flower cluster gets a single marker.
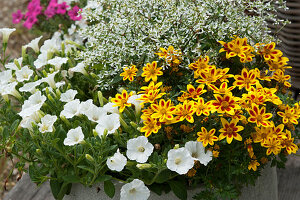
(126, 31)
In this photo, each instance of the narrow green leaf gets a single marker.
(103, 178)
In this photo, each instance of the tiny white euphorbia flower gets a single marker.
(6, 33)
(137, 103)
(109, 122)
(24, 74)
(71, 109)
(58, 62)
(197, 151)
(139, 149)
(117, 162)
(46, 124)
(110, 108)
(180, 160)
(80, 67)
(34, 44)
(135, 190)
(68, 96)
(74, 136)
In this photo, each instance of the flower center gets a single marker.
(141, 149)
(224, 104)
(177, 161)
(133, 190)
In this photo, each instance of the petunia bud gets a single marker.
(89, 157)
(144, 166)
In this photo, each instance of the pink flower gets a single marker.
(17, 17)
(73, 14)
(62, 8)
(51, 9)
(30, 21)
(34, 8)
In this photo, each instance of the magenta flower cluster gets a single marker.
(34, 9)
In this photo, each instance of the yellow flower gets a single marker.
(288, 143)
(269, 52)
(164, 110)
(259, 116)
(121, 100)
(151, 71)
(150, 126)
(230, 130)
(209, 77)
(280, 64)
(281, 78)
(201, 65)
(151, 86)
(253, 165)
(151, 96)
(246, 79)
(223, 88)
(129, 73)
(202, 108)
(207, 137)
(215, 153)
(225, 104)
(195, 93)
(171, 55)
(185, 111)
(289, 115)
(273, 145)
(223, 74)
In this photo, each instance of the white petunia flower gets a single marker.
(52, 45)
(34, 44)
(94, 113)
(10, 89)
(110, 108)
(50, 79)
(68, 96)
(80, 67)
(33, 104)
(135, 190)
(6, 77)
(46, 124)
(6, 33)
(30, 87)
(41, 61)
(137, 103)
(197, 151)
(180, 160)
(71, 109)
(24, 74)
(85, 106)
(117, 162)
(29, 120)
(109, 122)
(11, 66)
(74, 136)
(139, 149)
(58, 62)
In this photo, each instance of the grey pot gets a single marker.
(264, 189)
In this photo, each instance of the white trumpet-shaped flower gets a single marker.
(197, 151)
(71, 109)
(6, 33)
(24, 74)
(57, 62)
(85, 106)
(180, 160)
(33, 104)
(137, 103)
(34, 44)
(117, 162)
(47, 123)
(68, 96)
(109, 122)
(95, 113)
(110, 108)
(74, 136)
(80, 67)
(30, 87)
(10, 89)
(50, 79)
(135, 190)
(139, 149)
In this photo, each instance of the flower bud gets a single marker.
(134, 125)
(100, 98)
(16, 62)
(38, 151)
(176, 146)
(144, 166)
(89, 157)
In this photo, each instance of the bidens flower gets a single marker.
(135, 190)
(139, 149)
(74, 136)
(117, 162)
(197, 151)
(180, 160)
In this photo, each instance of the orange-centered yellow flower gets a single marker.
(259, 116)
(282, 78)
(209, 77)
(186, 111)
(151, 96)
(246, 79)
(150, 126)
(230, 130)
(151, 86)
(151, 71)
(236, 47)
(163, 111)
(121, 100)
(288, 143)
(201, 65)
(171, 55)
(225, 104)
(129, 73)
(289, 115)
(207, 137)
(195, 93)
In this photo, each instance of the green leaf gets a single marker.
(86, 168)
(103, 178)
(179, 189)
(163, 176)
(109, 189)
(71, 179)
(55, 187)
